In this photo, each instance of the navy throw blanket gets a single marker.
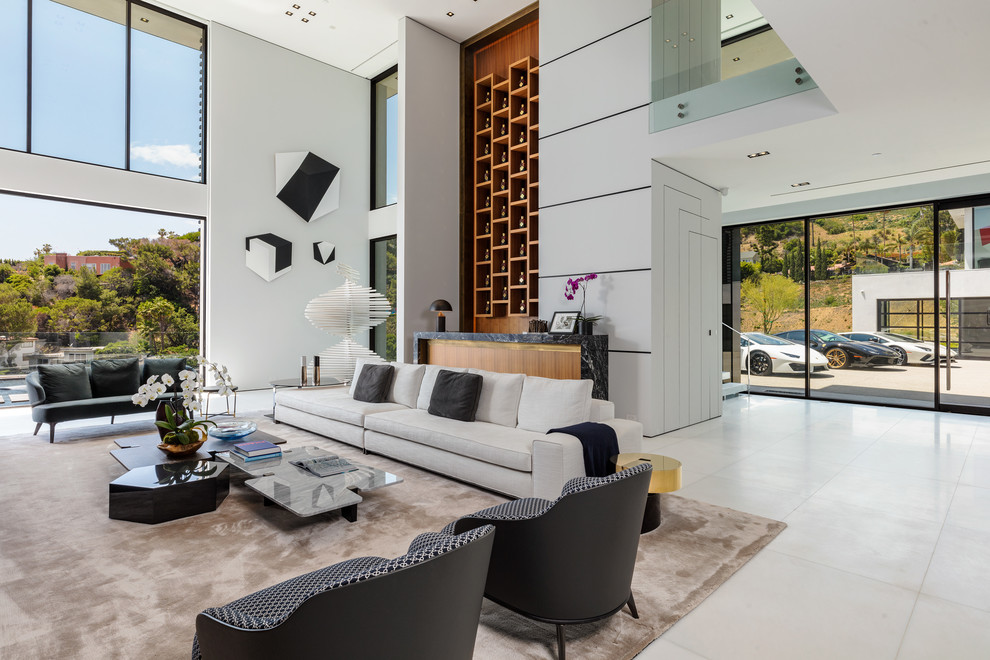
(600, 444)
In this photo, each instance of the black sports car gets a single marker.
(842, 351)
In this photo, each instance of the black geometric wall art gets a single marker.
(324, 252)
(307, 184)
(268, 255)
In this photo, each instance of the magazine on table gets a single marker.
(325, 466)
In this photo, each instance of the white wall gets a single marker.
(429, 180)
(265, 100)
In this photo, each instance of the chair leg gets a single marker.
(51, 433)
(632, 606)
(560, 642)
(111, 418)
(37, 428)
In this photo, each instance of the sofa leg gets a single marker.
(111, 418)
(37, 428)
(560, 642)
(51, 433)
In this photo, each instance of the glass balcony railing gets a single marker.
(706, 62)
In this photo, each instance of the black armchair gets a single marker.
(424, 604)
(571, 560)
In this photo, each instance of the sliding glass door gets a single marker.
(964, 305)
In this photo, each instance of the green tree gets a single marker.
(6, 270)
(748, 271)
(164, 325)
(88, 284)
(770, 297)
(75, 315)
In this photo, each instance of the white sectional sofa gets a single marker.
(507, 447)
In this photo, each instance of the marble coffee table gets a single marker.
(303, 493)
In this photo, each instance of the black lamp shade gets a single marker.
(441, 306)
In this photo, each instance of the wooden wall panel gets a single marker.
(530, 359)
(497, 56)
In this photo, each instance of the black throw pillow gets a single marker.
(162, 366)
(65, 382)
(115, 377)
(374, 382)
(456, 395)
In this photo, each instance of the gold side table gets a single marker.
(666, 478)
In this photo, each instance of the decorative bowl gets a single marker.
(233, 429)
(176, 451)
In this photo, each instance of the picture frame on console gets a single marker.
(563, 323)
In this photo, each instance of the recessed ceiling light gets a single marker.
(735, 59)
(758, 154)
(288, 13)
(450, 13)
(296, 7)
(144, 20)
(798, 185)
(691, 39)
(312, 13)
(729, 16)
(305, 20)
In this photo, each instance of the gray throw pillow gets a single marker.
(116, 377)
(456, 395)
(65, 382)
(374, 382)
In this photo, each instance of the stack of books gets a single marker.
(257, 450)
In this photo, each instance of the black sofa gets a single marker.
(84, 390)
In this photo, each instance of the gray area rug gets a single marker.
(75, 584)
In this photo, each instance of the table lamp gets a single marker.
(441, 306)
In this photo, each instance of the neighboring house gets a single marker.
(15, 352)
(99, 264)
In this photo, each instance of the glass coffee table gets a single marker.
(303, 493)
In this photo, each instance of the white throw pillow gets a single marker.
(406, 384)
(550, 403)
(499, 402)
(429, 380)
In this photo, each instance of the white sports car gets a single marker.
(763, 354)
(911, 350)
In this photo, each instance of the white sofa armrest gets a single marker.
(557, 458)
(628, 433)
(601, 410)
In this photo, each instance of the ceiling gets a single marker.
(360, 36)
(908, 82)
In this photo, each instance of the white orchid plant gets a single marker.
(183, 428)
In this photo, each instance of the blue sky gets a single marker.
(29, 223)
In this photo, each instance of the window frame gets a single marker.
(372, 198)
(372, 263)
(29, 103)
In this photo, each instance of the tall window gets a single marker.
(384, 279)
(13, 74)
(385, 139)
(80, 281)
(109, 82)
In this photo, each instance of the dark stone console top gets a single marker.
(594, 350)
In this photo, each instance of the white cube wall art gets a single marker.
(307, 184)
(268, 255)
(344, 311)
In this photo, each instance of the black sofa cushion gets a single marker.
(374, 382)
(162, 366)
(115, 377)
(456, 395)
(65, 382)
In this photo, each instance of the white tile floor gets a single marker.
(887, 550)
